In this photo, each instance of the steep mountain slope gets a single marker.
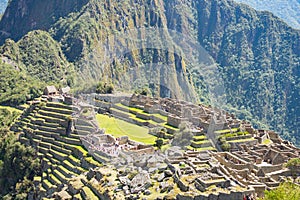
(30, 63)
(257, 53)
(288, 10)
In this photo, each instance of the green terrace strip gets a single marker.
(241, 140)
(118, 128)
(227, 131)
(88, 194)
(199, 138)
(201, 149)
(171, 127)
(138, 110)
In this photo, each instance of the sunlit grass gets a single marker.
(118, 128)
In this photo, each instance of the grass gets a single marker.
(200, 137)
(93, 161)
(227, 131)
(242, 140)
(119, 128)
(88, 192)
(11, 109)
(160, 116)
(170, 127)
(201, 149)
(267, 142)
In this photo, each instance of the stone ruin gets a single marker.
(132, 170)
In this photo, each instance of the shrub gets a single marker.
(286, 191)
(104, 88)
(293, 162)
(225, 146)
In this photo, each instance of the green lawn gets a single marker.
(119, 128)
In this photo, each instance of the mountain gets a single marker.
(256, 53)
(288, 10)
(3, 5)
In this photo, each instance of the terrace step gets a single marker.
(51, 119)
(47, 134)
(68, 165)
(58, 155)
(61, 150)
(58, 105)
(54, 180)
(69, 140)
(60, 176)
(51, 125)
(53, 114)
(58, 110)
(73, 160)
(87, 193)
(43, 150)
(65, 171)
(89, 129)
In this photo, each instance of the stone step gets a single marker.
(75, 136)
(58, 110)
(69, 140)
(47, 134)
(45, 144)
(51, 125)
(67, 173)
(43, 150)
(60, 176)
(54, 161)
(58, 155)
(70, 167)
(82, 132)
(53, 114)
(58, 105)
(61, 150)
(88, 128)
(73, 160)
(35, 142)
(49, 187)
(87, 193)
(51, 119)
(54, 180)
(24, 140)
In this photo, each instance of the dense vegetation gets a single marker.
(288, 10)
(16, 87)
(18, 164)
(257, 54)
(286, 191)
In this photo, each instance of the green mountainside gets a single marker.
(256, 52)
(288, 10)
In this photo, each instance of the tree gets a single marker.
(158, 143)
(104, 88)
(143, 91)
(225, 146)
(294, 165)
(18, 166)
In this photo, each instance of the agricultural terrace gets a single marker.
(118, 128)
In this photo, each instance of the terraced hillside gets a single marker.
(157, 122)
(45, 126)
